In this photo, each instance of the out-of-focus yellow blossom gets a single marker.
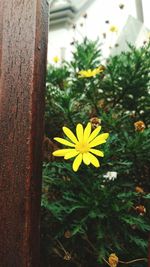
(82, 145)
(90, 73)
(56, 59)
(113, 260)
(113, 28)
(148, 35)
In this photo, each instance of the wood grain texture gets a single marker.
(23, 49)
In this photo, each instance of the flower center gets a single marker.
(82, 147)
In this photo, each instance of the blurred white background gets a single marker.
(130, 19)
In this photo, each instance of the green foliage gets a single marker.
(88, 215)
(87, 55)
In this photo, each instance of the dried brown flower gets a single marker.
(95, 121)
(140, 209)
(139, 126)
(67, 234)
(121, 6)
(48, 148)
(67, 256)
(85, 15)
(113, 260)
(139, 189)
(104, 35)
(101, 103)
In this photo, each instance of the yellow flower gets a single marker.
(90, 73)
(148, 35)
(113, 29)
(56, 59)
(113, 260)
(82, 145)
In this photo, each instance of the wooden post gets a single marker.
(23, 45)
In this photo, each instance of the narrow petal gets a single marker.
(97, 152)
(87, 131)
(64, 141)
(72, 153)
(61, 152)
(94, 160)
(70, 134)
(86, 159)
(94, 133)
(79, 131)
(100, 139)
(77, 162)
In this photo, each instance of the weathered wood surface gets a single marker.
(23, 45)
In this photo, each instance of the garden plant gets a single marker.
(96, 150)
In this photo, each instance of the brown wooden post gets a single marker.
(23, 45)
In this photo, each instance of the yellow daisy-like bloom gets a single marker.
(90, 73)
(113, 260)
(82, 145)
(113, 29)
(56, 59)
(148, 35)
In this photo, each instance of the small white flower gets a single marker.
(111, 176)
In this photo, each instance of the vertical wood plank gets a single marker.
(23, 49)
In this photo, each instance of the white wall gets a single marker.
(94, 26)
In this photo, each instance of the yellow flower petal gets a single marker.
(79, 132)
(100, 139)
(94, 133)
(97, 152)
(70, 134)
(61, 152)
(72, 153)
(93, 160)
(77, 162)
(86, 159)
(87, 131)
(64, 142)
